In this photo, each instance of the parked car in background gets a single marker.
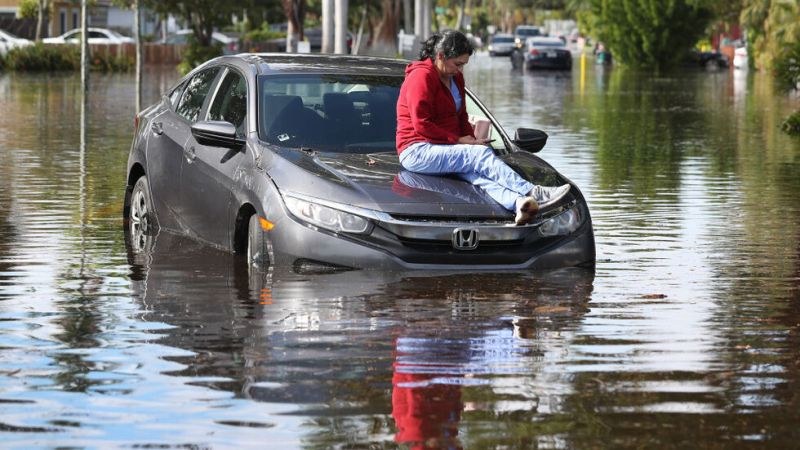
(9, 41)
(543, 52)
(501, 44)
(710, 60)
(96, 36)
(229, 43)
(523, 32)
(314, 38)
(290, 160)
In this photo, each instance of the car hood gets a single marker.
(377, 181)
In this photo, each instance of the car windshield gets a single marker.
(503, 39)
(331, 112)
(528, 31)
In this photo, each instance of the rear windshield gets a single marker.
(336, 113)
(528, 32)
(547, 43)
(503, 39)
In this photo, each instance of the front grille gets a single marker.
(429, 245)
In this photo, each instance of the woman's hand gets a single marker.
(472, 141)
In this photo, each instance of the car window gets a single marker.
(175, 95)
(334, 112)
(230, 102)
(96, 34)
(195, 94)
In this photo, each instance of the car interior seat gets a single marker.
(343, 119)
(287, 122)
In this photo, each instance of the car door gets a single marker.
(169, 131)
(209, 172)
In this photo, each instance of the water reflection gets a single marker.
(343, 346)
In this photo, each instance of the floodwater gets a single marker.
(685, 335)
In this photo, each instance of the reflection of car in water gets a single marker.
(354, 344)
(290, 159)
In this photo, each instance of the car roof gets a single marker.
(276, 63)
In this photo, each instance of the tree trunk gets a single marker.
(295, 15)
(385, 40)
(40, 19)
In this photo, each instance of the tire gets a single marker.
(142, 223)
(259, 247)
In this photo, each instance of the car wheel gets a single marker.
(259, 246)
(142, 222)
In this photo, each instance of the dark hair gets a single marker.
(451, 43)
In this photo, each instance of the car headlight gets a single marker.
(326, 217)
(562, 224)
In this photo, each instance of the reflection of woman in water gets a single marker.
(434, 135)
(426, 411)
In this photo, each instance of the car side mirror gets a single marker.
(529, 139)
(217, 133)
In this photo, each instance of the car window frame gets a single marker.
(212, 88)
(226, 69)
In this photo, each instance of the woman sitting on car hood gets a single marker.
(434, 135)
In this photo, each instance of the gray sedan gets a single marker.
(290, 161)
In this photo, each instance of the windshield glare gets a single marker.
(335, 113)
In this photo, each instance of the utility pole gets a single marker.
(340, 26)
(84, 47)
(138, 43)
(327, 26)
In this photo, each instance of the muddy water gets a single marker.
(684, 335)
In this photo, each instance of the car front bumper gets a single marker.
(297, 243)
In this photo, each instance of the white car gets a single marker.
(96, 36)
(501, 44)
(9, 41)
(230, 45)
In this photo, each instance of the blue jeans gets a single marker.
(476, 164)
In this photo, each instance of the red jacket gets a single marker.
(426, 111)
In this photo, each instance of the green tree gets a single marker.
(649, 33)
(773, 27)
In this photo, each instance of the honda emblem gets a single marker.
(465, 239)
